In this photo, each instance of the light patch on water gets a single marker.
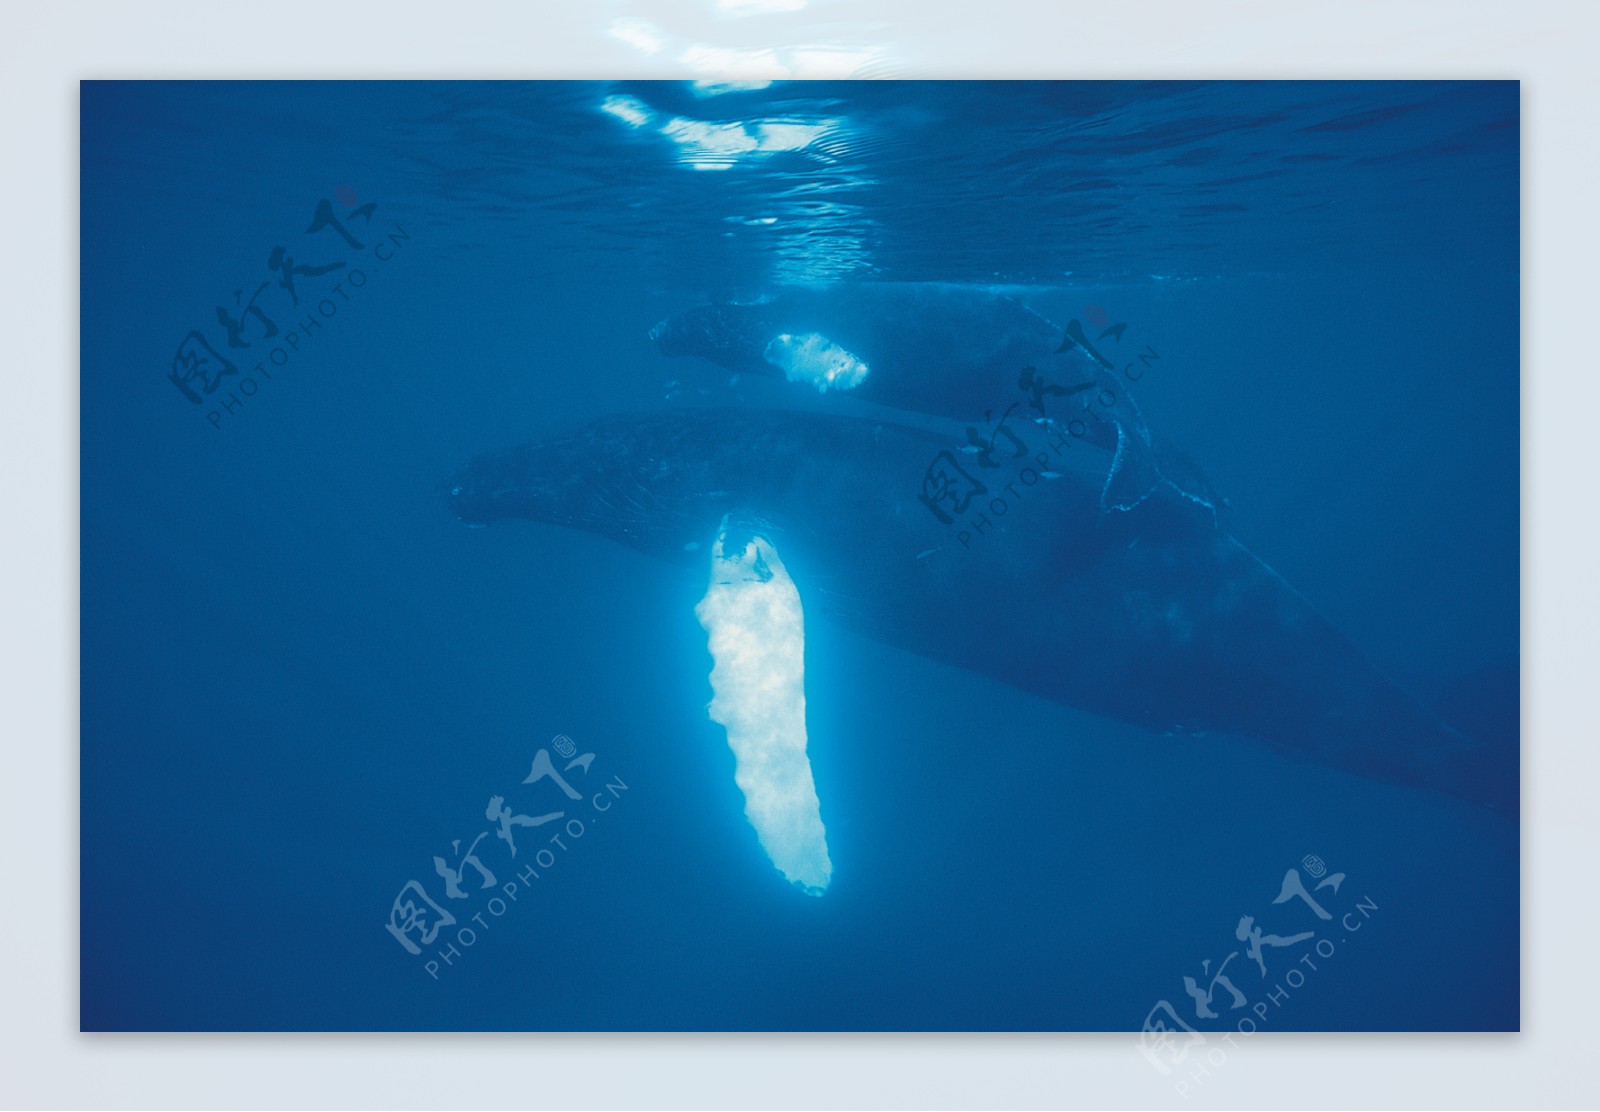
(710, 88)
(752, 614)
(718, 145)
(828, 245)
(630, 110)
(813, 358)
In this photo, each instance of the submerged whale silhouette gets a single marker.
(942, 349)
(1157, 617)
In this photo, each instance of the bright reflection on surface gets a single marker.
(752, 614)
(719, 144)
(712, 88)
(709, 144)
(824, 235)
(630, 110)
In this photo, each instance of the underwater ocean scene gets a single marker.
(880, 556)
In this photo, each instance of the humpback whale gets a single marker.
(945, 350)
(1157, 617)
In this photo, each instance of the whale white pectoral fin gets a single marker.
(756, 626)
(813, 358)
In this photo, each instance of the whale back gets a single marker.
(1155, 616)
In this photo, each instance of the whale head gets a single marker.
(537, 481)
(732, 336)
(655, 483)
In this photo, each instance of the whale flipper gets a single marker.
(756, 629)
(1157, 618)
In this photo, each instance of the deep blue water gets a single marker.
(302, 677)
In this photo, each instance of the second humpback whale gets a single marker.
(1157, 617)
(943, 349)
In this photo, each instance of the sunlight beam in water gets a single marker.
(752, 614)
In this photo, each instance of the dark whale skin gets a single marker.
(1157, 617)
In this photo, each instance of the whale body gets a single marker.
(1157, 616)
(946, 350)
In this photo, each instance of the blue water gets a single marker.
(302, 677)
